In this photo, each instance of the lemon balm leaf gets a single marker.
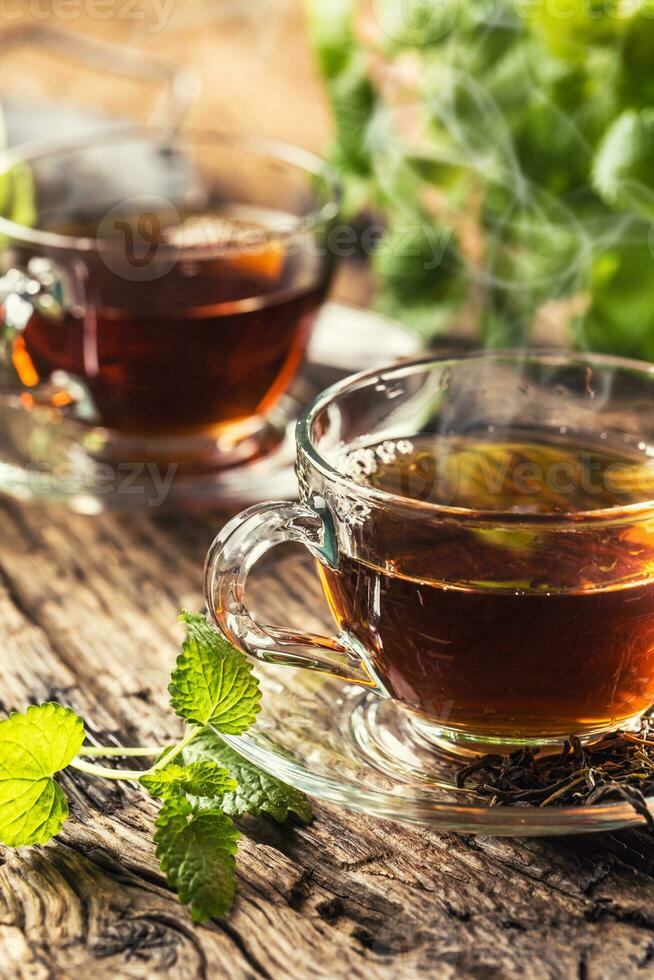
(255, 791)
(203, 778)
(46, 738)
(33, 747)
(622, 169)
(196, 851)
(212, 682)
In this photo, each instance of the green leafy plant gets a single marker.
(202, 782)
(520, 133)
(17, 193)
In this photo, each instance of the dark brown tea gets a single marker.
(201, 343)
(513, 630)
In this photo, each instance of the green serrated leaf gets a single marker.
(257, 791)
(205, 779)
(213, 682)
(34, 746)
(196, 853)
(421, 277)
(623, 169)
(353, 101)
(416, 259)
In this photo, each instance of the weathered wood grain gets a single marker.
(87, 615)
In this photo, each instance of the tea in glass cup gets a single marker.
(159, 290)
(483, 527)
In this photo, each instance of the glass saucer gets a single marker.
(339, 743)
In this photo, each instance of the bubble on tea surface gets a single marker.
(361, 465)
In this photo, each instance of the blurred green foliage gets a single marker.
(16, 188)
(509, 147)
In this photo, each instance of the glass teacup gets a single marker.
(158, 293)
(483, 528)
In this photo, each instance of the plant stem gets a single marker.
(92, 770)
(105, 751)
(190, 735)
(135, 774)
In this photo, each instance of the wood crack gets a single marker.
(258, 970)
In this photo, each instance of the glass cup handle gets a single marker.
(21, 293)
(231, 557)
(45, 290)
(16, 290)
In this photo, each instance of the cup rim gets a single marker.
(306, 446)
(262, 146)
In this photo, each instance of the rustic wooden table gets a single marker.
(88, 616)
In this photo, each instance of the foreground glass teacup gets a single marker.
(484, 533)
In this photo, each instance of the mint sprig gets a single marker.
(201, 780)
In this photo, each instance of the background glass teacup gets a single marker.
(158, 291)
(484, 533)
